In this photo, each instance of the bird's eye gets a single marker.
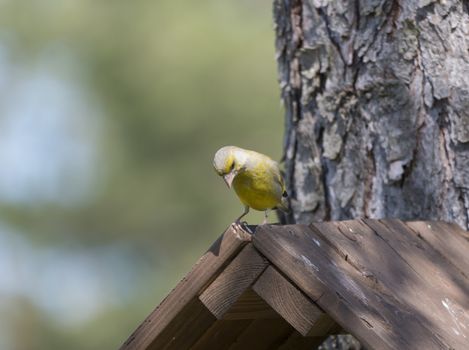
(232, 166)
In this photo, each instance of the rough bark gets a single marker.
(376, 94)
(377, 108)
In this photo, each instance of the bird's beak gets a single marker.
(229, 178)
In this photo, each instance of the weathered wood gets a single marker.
(347, 294)
(226, 289)
(448, 239)
(157, 329)
(396, 263)
(390, 284)
(250, 306)
(263, 335)
(221, 335)
(185, 328)
(298, 342)
(433, 285)
(292, 304)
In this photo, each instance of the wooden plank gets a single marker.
(155, 331)
(298, 342)
(221, 335)
(435, 288)
(263, 335)
(397, 264)
(250, 306)
(187, 327)
(340, 289)
(291, 303)
(226, 289)
(447, 239)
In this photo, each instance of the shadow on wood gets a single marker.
(392, 285)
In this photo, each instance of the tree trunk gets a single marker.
(377, 108)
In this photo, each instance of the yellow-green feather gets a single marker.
(259, 185)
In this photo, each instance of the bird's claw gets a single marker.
(241, 225)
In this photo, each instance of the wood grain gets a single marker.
(263, 335)
(449, 240)
(432, 286)
(235, 279)
(349, 295)
(396, 262)
(390, 284)
(156, 330)
(188, 325)
(298, 342)
(221, 335)
(250, 306)
(399, 265)
(290, 302)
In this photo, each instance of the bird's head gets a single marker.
(227, 164)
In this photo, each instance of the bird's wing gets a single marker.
(284, 204)
(279, 178)
(270, 165)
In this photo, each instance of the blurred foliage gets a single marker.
(175, 80)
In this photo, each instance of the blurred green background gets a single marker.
(110, 113)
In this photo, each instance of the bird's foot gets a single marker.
(241, 225)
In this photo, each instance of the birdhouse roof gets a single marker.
(393, 285)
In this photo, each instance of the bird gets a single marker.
(255, 178)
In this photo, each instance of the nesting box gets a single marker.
(391, 284)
